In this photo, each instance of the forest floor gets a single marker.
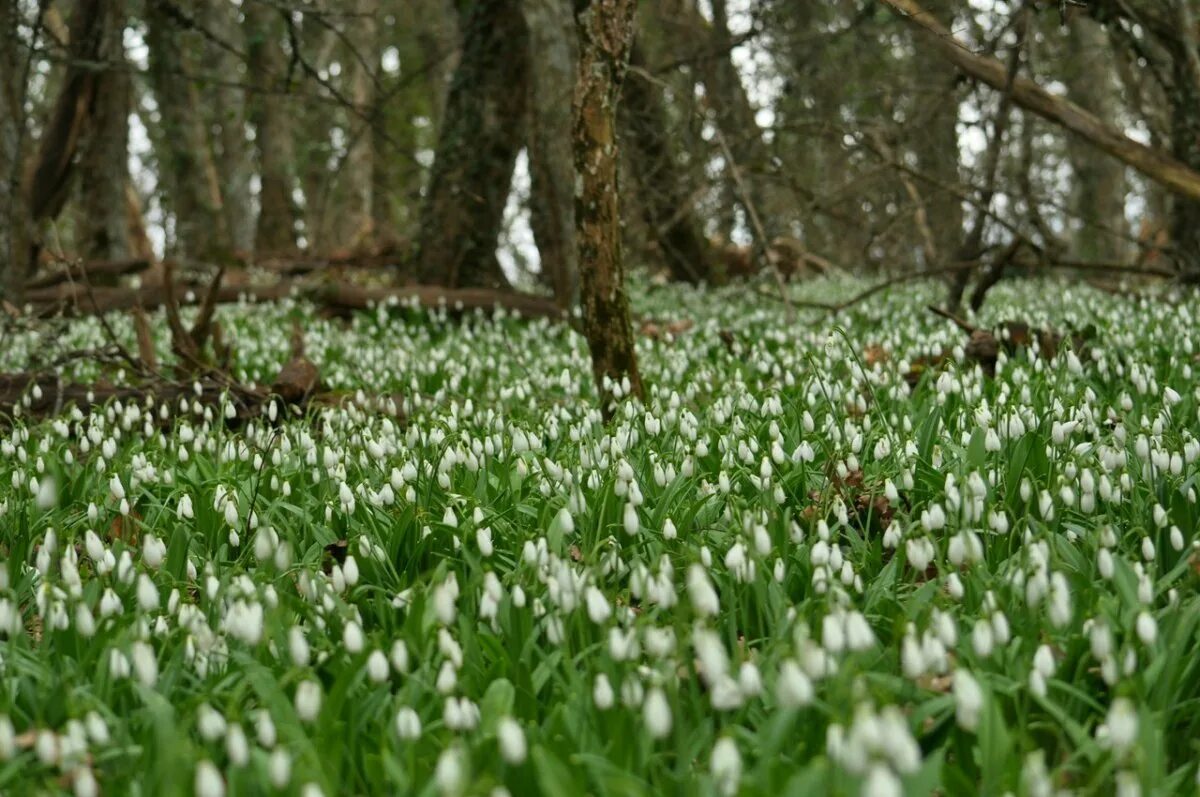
(870, 552)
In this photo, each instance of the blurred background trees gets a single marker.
(431, 139)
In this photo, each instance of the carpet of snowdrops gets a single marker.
(787, 572)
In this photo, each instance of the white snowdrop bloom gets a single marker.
(1060, 600)
(1121, 725)
(352, 638)
(208, 780)
(630, 521)
(84, 783)
(231, 513)
(97, 729)
(511, 737)
(483, 540)
(725, 765)
(749, 679)
(298, 646)
(210, 723)
(598, 608)
(447, 678)
(350, 571)
(793, 689)
(377, 667)
(115, 488)
(408, 724)
(450, 775)
(264, 729)
(982, 638)
(833, 633)
(968, 700)
(1147, 628)
(701, 593)
(94, 547)
(145, 664)
(154, 552)
(311, 790)
(236, 746)
(656, 713)
(147, 594)
(399, 656)
(1104, 564)
(669, 531)
(8, 738)
(46, 746)
(1176, 538)
(1043, 661)
(602, 693)
(308, 700)
(859, 635)
(881, 782)
(279, 768)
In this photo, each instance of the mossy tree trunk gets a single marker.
(605, 30)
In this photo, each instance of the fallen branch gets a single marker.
(339, 297)
(88, 271)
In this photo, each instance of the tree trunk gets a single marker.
(935, 144)
(193, 191)
(276, 230)
(1184, 100)
(605, 38)
(12, 134)
(552, 44)
(356, 218)
(666, 200)
(1098, 194)
(477, 148)
(234, 161)
(104, 164)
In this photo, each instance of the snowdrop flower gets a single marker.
(1121, 726)
(451, 771)
(1147, 628)
(701, 593)
(968, 700)
(145, 664)
(279, 767)
(308, 700)
(656, 713)
(793, 689)
(236, 746)
(352, 638)
(512, 741)
(377, 667)
(408, 724)
(208, 781)
(726, 766)
(602, 693)
(630, 520)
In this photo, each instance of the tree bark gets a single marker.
(935, 144)
(357, 218)
(1184, 101)
(12, 134)
(1159, 166)
(477, 148)
(605, 30)
(1098, 194)
(234, 160)
(193, 191)
(104, 163)
(665, 198)
(276, 230)
(553, 46)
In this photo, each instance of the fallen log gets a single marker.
(341, 297)
(90, 271)
(40, 396)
